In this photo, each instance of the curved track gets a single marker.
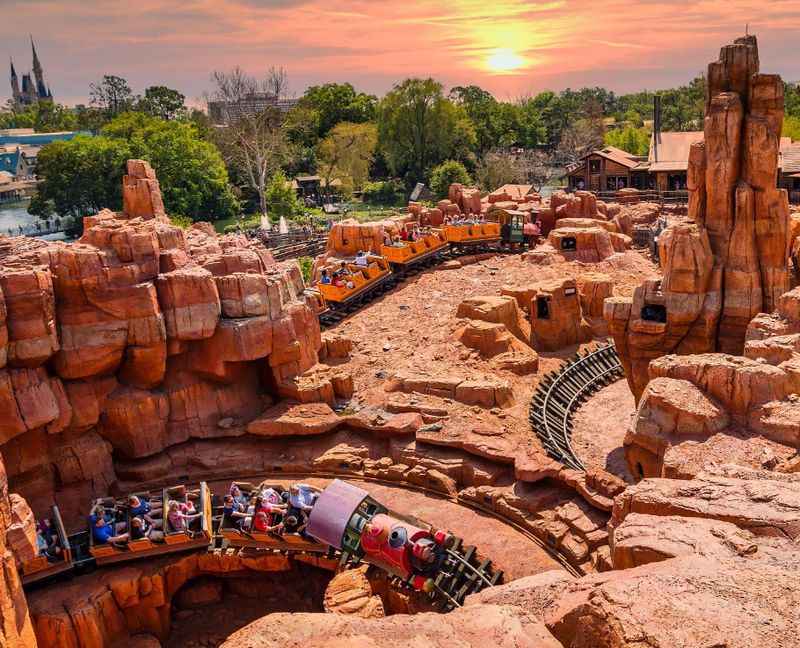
(560, 393)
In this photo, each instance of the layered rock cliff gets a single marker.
(138, 337)
(730, 262)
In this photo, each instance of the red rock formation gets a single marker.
(138, 337)
(16, 630)
(731, 263)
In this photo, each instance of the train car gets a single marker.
(360, 281)
(407, 254)
(429, 560)
(472, 234)
(56, 559)
(199, 533)
(233, 535)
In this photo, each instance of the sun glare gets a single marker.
(504, 60)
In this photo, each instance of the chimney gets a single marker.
(656, 124)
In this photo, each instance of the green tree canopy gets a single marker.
(346, 153)
(447, 173)
(84, 175)
(281, 197)
(44, 117)
(162, 102)
(630, 139)
(334, 103)
(112, 95)
(418, 127)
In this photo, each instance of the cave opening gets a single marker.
(542, 308)
(654, 313)
(206, 610)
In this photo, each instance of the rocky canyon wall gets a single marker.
(730, 262)
(138, 337)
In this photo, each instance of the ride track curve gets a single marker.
(559, 394)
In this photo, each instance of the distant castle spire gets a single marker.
(38, 72)
(33, 87)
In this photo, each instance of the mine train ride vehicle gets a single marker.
(344, 521)
(377, 273)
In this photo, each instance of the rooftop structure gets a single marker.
(224, 112)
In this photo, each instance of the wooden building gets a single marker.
(607, 169)
(665, 167)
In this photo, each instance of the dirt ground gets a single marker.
(599, 428)
(411, 329)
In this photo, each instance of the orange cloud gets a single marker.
(510, 47)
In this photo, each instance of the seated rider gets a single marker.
(361, 259)
(261, 523)
(105, 532)
(325, 278)
(177, 519)
(303, 496)
(141, 529)
(151, 512)
(238, 496)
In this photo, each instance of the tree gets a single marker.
(447, 173)
(580, 139)
(496, 169)
(162, 102)
(254, 143)
(281, 197)
(346, 153)
(112, 95)
(791, 127)
(44, 117)
(84, 175)
(192, 174)
(630, 139)
(80, 176)
(334, 103)
(418, 127)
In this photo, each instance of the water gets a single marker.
(14, 214)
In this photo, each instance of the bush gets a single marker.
(386, 192)
(281, 198)
(184, 222)
(306, 265)
(446, 174)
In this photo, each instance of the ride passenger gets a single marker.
(361, 259)
(141, 529)
(105, 532)
(303, 496)
(146, 510)
(325, 278)
(177, 519)
(238, 496)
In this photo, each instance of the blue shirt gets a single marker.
(142, 509)
(101, 533)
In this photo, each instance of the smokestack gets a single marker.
(656, 124)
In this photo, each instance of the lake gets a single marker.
(14, 214)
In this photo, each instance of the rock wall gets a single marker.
(138, 337)
(16, 629)
(730, 263)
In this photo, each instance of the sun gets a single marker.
(504, 60)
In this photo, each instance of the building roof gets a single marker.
(789, 159)
(670, 152)
(516, 191)
(628, 160)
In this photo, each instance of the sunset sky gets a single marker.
(510, 47)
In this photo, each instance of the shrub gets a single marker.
(385, 192)
(446, 174)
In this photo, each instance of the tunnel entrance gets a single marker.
(569, 243)
(208, 609)
(654, 313)
(542, 308)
